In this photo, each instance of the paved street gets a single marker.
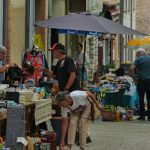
(125, 135)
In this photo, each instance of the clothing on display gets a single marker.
(38, 60)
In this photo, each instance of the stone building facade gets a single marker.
(143, 16)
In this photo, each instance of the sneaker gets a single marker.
(141, 118)
(88, 139)
(77, 143)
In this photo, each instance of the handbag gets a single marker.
(108, 116)
(95, 112)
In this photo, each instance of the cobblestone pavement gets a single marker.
(124, 135)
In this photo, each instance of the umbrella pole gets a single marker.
(83, 69)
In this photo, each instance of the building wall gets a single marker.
(92, 47)
(129, 18)
(143, 16)
(1, 22)
(94, 6)
(77, 5)
(16, 30)
(59, 9)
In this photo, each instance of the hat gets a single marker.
(140, 50)
(57, 46)
(61, 96)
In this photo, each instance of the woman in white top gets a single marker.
(75, 108)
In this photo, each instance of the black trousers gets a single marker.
(143, 87)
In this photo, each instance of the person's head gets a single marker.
(2, 52)
(27, 69)
(79, 47)
(140, 51)
(35, 47)
(120, 72)
(58, 50)
(62, 99)
(96, 77)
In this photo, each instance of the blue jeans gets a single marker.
(79, 75)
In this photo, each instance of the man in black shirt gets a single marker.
(65, 69)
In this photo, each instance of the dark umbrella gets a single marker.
(87, 22)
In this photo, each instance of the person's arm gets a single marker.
(132, 69)
(71, 80)
(49, 73)
(64, 127)
(132, 72)
(4, 68)
(93, 98)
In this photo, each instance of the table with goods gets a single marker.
(29, 118)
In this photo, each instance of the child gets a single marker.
(27, 72)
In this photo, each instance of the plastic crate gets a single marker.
(42, 146)
(115, 98)
(111, 98)
(50, 139)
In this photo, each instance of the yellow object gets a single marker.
(38, 41)
(139, 42)
(30, 143)
(104, 89)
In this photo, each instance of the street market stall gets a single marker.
(22, 118)
(31, 107)
(74, 23)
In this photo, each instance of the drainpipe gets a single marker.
(131, 25)
(131, 15)
(49, 35)
(1, 22)
(121, 36)
(67, 36)
(5, 21)
(30, 20)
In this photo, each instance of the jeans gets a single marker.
(143, 87)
